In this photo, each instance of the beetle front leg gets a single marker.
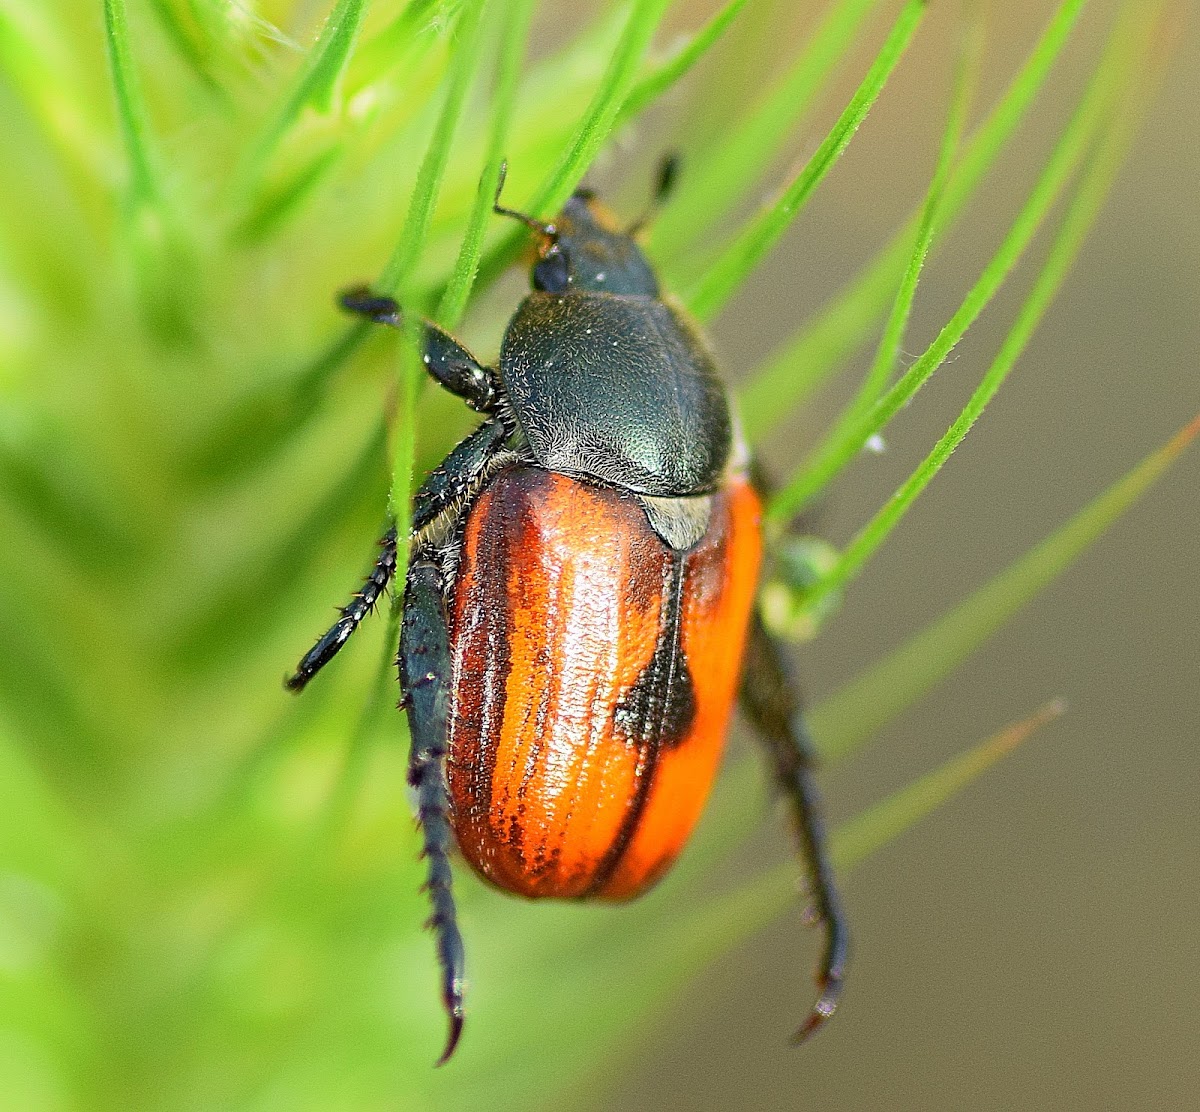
(424, 664)
(352, 614)
(446, 360)
(771, 702)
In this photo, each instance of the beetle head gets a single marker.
(589, 251)
(586, 249)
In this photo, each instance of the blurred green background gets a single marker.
(208, 890)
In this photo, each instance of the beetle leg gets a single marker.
(358, 608)
(771, 702)
(424, 664)
(446, 360)
(457, 476)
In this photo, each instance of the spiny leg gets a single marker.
(773, 706)
(453, 479)
(446, 360)
(424, 664)
(358, 608)
(457, 476)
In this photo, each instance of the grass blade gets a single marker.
(601, 114)
(189, 46)
(589, 136)
(852, 715)
(885, 822)
(671, 69)
(313, 87)
(1085, 207)
(277, 203)
(511, 52)
(888, 353)
(264, 419)
(391, 45)
(713, 186)
(804, 362)
(429, 177)
(145, 188)
(412, 239)
(846, 440)
(728, 272)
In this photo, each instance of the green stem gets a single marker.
(1085, 207)
(131, 109)
(825, 343)
(888, 353)
(511, 53)
(722, 279)
(845, 442)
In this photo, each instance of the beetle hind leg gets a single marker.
(773, 707)
(424, 664)
(352, 614)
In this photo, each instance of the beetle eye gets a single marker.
(552, 274)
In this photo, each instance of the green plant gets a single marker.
(210, 893)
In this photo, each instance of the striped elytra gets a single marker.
(594, 674)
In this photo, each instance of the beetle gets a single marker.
(579, 605)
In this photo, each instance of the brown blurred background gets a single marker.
(1034, 944)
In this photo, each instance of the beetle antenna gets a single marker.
(664, 186)
(547, 230)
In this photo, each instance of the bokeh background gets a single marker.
(1033, 945)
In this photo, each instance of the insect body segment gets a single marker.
(580, 591)
(583, 371)
(594, 669)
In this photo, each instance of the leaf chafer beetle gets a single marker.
(579, 608)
